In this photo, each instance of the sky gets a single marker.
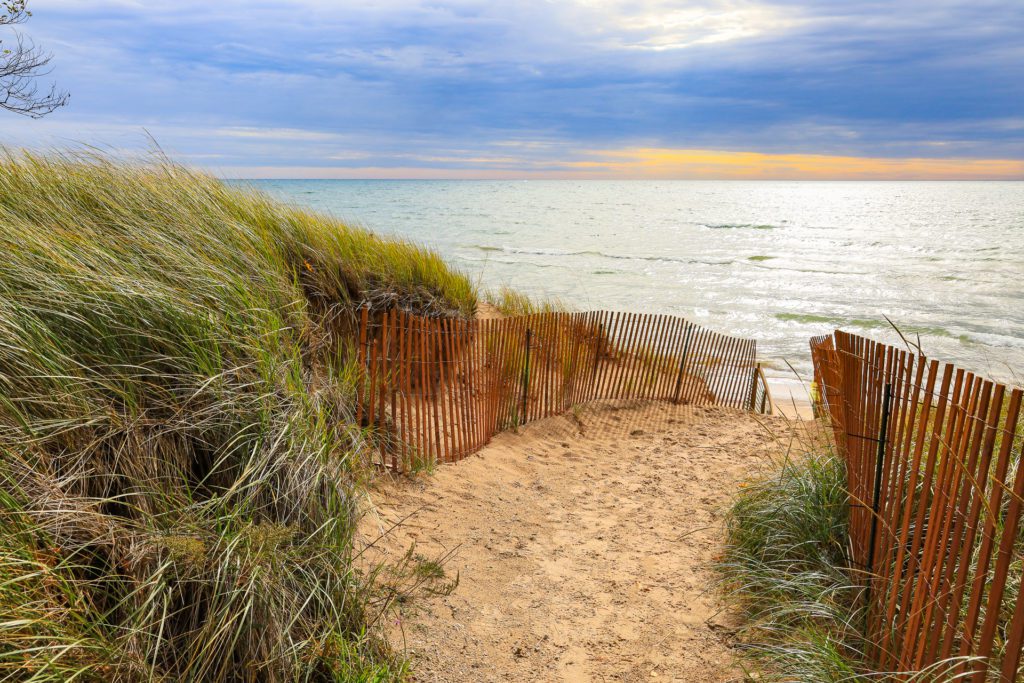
(541, 88)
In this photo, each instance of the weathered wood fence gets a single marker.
(936, 484)
(436, 390)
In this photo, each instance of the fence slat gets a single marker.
(364, 313)
(639, 375)
(577, 345)
(549, 351)
(402, 424)
(623, 349)
(966, 464)
(940, 533)
(893, 637)
(426, 442)
(385, 380)
(652, 364)
(721, 390)
(627, 381)
(372, 380)
(394, 383)
(907, 382)
(699, 381)
(498, 335)
(907, 642)
(465, 387)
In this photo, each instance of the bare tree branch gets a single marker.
(20, 65)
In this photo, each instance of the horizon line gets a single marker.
(525, 179)
(660, 163)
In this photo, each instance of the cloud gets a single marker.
(453, 83)
(275, 134)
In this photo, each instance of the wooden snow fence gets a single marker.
(436, 390)
(936, 482)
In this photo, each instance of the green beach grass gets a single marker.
(785, 564)
(179, 466)
(786, 567)
(511, 302)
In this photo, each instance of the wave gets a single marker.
(508, 261)
(872, 324)
(599, 254)
(736, 226)
(809, 318)
(831, 271)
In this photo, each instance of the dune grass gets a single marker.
(786, 564)
(179, 466)
(512, 303)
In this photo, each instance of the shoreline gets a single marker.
(791, 398)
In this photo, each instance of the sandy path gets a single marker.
(581, 556)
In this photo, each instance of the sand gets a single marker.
(583, 547)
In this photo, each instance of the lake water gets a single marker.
(777, 261)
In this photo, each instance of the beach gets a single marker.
(584, 549)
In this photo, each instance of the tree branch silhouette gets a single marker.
(22, 63)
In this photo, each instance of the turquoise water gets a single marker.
(777, 261)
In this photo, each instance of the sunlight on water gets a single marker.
(777, 261)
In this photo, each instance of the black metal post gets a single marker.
(879, 463)
(682, 363)
(526, 376)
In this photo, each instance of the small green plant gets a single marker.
(577, 413)
(409, 577)
(428, 569)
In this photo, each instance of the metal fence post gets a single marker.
(682, 363)
(879, 463)
(526, 377)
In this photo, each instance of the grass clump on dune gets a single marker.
(787, 566)
(510, 303)
(178, 459)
